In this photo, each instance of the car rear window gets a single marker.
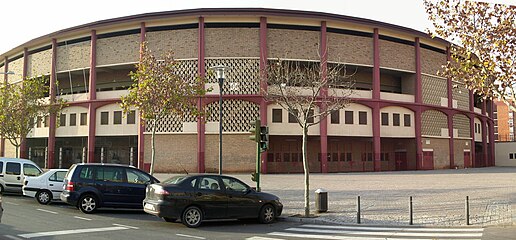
(175, 180)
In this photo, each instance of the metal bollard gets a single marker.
(411, 213)
(358, 209)
(467, 210)
(321, 200)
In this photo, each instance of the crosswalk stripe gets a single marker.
(407, 229)
(66, 232)
(335, 237)
(263, 238)
(391, 234)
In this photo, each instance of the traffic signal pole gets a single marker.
(258, 160)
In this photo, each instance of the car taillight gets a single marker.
(161, 191)
(69, 186)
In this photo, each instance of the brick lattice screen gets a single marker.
(237, 114)
(242, 77)
(432, 121)
(461, 122)
(433, 89)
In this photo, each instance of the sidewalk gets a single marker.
(438, 196)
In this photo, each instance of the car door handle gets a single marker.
(18, 178)
(51, 185)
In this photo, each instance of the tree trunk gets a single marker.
(153, 148)
(17, 151)
(307, 171)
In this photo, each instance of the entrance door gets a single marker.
(401, 161)
(428, 160)
(467, 160)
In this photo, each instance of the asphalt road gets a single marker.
(24, 218)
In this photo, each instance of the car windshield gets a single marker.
(175, 180)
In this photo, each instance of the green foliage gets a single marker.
(20, 104)
(483, 56)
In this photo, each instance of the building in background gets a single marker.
(503, 122)
(403, 116)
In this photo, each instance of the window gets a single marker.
(334, 157)
(234, 185)
(209, 183)
(276, 115)
(395, 119)
(117, 117)
(62, 120)
(137, 177)
(349, 157)
(57, 177)
(13, 168)
(385, 119)
(110, 174)
(104, 116)
(406, 120)
(310, 116)
(348, 117)
(73, 120)
(362, 118)
(131, 117)
(46, 121)
(1, 167)
(335, 117)
(30, 170)
(38, 121)
(292, 117)
(84, 119)
(511, 156)
(86, 173)
(286, 157)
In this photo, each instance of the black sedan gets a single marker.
(194, 198)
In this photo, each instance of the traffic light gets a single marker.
(255, 131)
(254, 177)
(264, 138)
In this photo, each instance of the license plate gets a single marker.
(149, 206)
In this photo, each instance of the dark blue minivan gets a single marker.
(90, 186)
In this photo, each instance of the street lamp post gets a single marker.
(219, 74)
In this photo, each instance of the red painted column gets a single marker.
(451, 145)
(201, 135)
(484, 134)
(141, 128)
(472, 127)
(92, 110)
(263, 84)
(418, 96)
(492, 135)
(2, 139)
(377, 140)
(23, 140)
(323, 125)
(52, 125)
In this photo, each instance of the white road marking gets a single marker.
(12, 237)
(47, 211)
(189, 236)
(87, 219)
(66, 232)
(15, 204)
(126, 226)
(397, 229)
(334, 237)
(391, 234)
(263, 238)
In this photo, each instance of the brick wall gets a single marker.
(350, 49)
(122, 49)
(293, 44)
(183, 43)
(173, 152)
(238, 153)
(39, 63)
(431, 61)
(10, 150)
(441, 151)
(397, 56)
(17, 67)
(461, 94)
(73, 56)
(232, 42)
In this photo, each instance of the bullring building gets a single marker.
(403, 115)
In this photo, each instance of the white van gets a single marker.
(13, 171)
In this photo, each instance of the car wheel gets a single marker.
(88, 204)
(267, 214)
(44, 197)
(167, 219)
(192, 217)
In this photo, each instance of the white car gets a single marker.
(45, 187)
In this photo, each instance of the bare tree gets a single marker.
(309, 91)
